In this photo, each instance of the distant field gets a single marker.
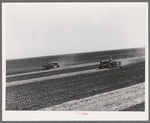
(35, 64)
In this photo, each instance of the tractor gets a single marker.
(50, 65)
(109, 64)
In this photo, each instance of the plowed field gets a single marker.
(40, 90)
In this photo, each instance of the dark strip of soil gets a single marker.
(138, 107)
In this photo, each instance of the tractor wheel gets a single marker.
(101, 67)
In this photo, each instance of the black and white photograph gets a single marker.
(75, 61)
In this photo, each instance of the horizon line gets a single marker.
(73, 53)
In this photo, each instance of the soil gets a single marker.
(110, 101)
(35, 95)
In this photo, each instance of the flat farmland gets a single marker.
(80, 83)
(39, 95)
(18, 66)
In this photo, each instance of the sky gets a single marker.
(44, 29)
